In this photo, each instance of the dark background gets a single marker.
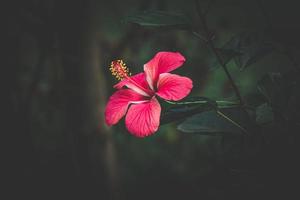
(56, 144)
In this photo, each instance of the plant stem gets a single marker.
(210, 44)
(186, 102)
(200, 36)
(220, 104)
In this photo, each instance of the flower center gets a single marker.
(119, 69)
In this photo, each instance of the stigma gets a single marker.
(119, 70)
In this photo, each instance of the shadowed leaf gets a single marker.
(226, 55)
(253, 47)
(245, 48)
(264, 114)
(160, 19)
(277, 88)
(211, 123)
(184, 109)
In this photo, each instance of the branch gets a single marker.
(210, 44)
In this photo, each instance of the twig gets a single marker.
(200, 37)
(211, 45)
(231, 121)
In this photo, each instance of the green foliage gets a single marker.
(277, 88)
(163, 19)
(252, 46)
(269, 95)
(245, 48)
(212, 123)
(226, 56)
(264, 114)
(203, 115)
(182, 110)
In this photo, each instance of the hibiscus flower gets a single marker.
(136, 98)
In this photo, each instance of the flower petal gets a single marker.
(143, 119)
(140, 79)
(173, 87)
(161, 63)
(118, 104)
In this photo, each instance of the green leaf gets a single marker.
(252, 47)
(264, 114)
(269, 85)
(226, 55)
(246, 48)
(277, 88)
(184, 109)
(160, 19)
(211, 123)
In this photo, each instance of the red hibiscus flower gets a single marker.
(136, 95)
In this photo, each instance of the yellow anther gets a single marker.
(119, 70)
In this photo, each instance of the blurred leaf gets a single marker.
(226, 55)
(264, 114)
(252, 47)
(282, 93)
(189, 107)
(210, 122)
(269, 85)
(277, 88)
(160, 19)
(246, 48)
(254, 99)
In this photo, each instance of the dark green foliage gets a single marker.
(277, 88)
(264, 114)
(184, 109)
(252, 46)
(226, 56)
(245, 48)
(160, 19)
(281, 91)
(212, 123)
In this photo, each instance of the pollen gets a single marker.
(119, 69)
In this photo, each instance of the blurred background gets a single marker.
(58, 54)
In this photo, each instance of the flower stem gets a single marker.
(210, 44)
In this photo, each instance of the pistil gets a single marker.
(119, 69)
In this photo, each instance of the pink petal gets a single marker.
(173, 87)
(161, 63)
(140, 79)
(143, 119)
(118, 104)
